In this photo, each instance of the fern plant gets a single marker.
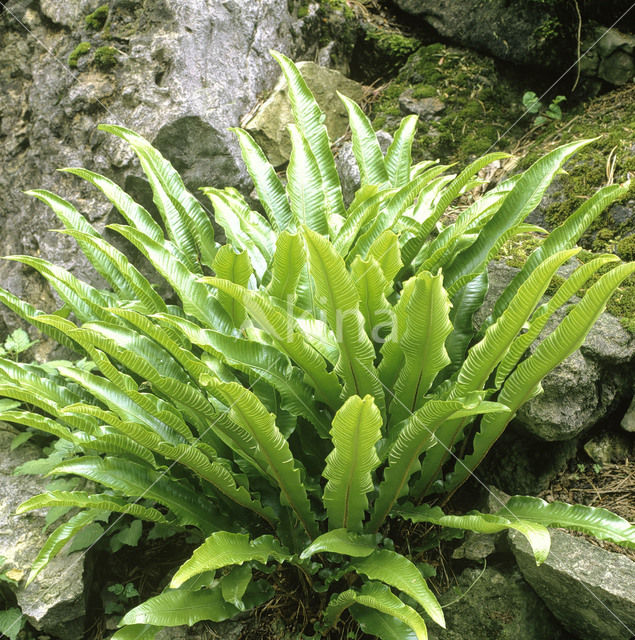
(317, 377)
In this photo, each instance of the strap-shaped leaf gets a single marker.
(376, 596)
(397, 571)
(537, 535)
(309, 119)
(370, 159)
(248, 412)
(596, 521)
(28, 312)
(130, 406)
(371, 286)
(288, 262)
(181, 607)
(520, 202)
(188, 224)
(336, 294)
(415, 437)
(262, 360)
(390, 212)
(222, 549)
(136, 480)
(270, 191)
(386, 251)
(485, 356)
(307, 195)
(196, 298)
(356, 430)
(128, 278)
(218, 475)
(363, 209)
(58, 539)
(134, 214)
(398, 156)
(37, 421)
(245, 229)
(284, 331)
(567, 289)
(423, 343)
(83, 500)
(391, 351)
(379, 624)
(563, 237)
(524, 382)
(236, 268)
(465, 302)
(147, 359)
(342, 541)
(86, 302)
(136, 632)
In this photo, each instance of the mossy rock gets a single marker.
(481, 104)
(80, 50)
(97, 19)
(106, 58)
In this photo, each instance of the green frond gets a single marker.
(222, 549)
(356, 430)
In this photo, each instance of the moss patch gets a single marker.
(480, 104)
(80, 50)
(97, 19)
(106, 57)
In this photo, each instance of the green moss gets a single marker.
(303, 11)
(80, 50)
(424, 91)
(625, 248)
(479, 105)
(106, 57)
(97, 19)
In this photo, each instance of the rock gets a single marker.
(269, 124)
(616, 50)
(506, 29)
(55, 602)
(590, 590)
(628, 421)
(610, 447)
(185, 72)
(476, 547)
(520, 463)
(425, 108)
(499, 604)
(587, 386)
(347, 166)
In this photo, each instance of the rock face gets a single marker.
(586, 386)
(269, 124)
(534, 34)
(55, 602)
(500, 605)
(511, 33)
(179, 73)
(590, 590)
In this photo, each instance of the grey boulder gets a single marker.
(55, 602)
(590, 590)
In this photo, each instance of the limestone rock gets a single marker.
(269, 124)
(507, 32)
(185, 72)
(590, 590)
(628, 421)
(610, 447)
(55, 602)
(586, 386)
(500, 604)
(425, 108)
(347, 168)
